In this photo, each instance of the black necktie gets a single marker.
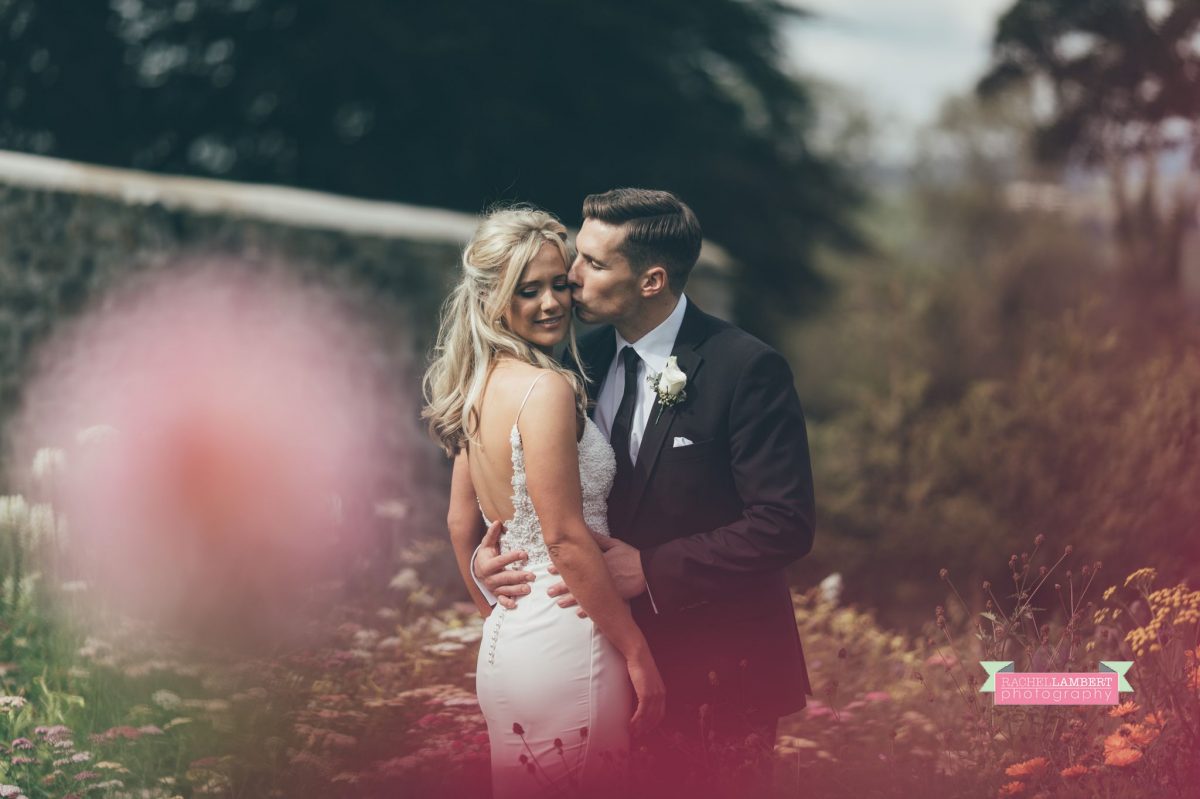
(619, 437)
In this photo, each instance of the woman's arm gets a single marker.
(466, 527)
(552, 472)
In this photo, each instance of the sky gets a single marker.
(901, 57)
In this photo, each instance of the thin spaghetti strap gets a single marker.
(527, 393)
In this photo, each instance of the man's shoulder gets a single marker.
(735, 344)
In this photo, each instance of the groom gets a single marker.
(713, 496)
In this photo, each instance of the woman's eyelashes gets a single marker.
(532, 291)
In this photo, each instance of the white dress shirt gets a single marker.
(653, 348)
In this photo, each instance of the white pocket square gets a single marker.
(680, 441)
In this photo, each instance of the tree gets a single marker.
(1124, 81)
(448, 104)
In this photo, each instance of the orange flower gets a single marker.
(1116, 743)
(1077, 770)
(1012, 788)
(1140, 734)
(1155, 720)
(1123, 709)
(1029, 768)
(1122, 757)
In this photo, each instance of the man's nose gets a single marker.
(573, 274)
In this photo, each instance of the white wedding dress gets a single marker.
(555, 693)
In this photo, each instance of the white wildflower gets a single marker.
(49, 462)
(464, 635)
(96, 434)
(41, 522)
(166, 699)
(366, 637)
(831, 588)
(393, 509)
(8, 703)
(14, 511)
(406, 580)
(422, 599)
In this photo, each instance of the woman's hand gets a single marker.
(651, 693)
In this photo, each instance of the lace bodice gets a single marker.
(597, 468)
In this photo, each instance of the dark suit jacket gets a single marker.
(717, 522)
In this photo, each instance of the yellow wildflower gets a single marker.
(1141, 579)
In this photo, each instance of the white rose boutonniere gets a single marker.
(668, 385)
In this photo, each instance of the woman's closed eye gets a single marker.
(531, 293)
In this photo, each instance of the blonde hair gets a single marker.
(473, 333)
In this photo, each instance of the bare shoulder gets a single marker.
(552, 392)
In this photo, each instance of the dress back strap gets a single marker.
(527, 393)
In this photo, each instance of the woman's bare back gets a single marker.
(507, 388)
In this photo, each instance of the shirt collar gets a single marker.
(655, 347)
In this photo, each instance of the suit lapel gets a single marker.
(691, 333)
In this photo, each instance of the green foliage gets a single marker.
(452, 105)
(979, 377)
(1124, 95)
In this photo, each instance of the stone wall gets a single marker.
(69, 231)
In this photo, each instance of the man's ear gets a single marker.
(653, 281)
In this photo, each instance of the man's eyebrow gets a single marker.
(592, 258)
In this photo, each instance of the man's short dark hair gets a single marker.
(659, 229)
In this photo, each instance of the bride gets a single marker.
(557, 689)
